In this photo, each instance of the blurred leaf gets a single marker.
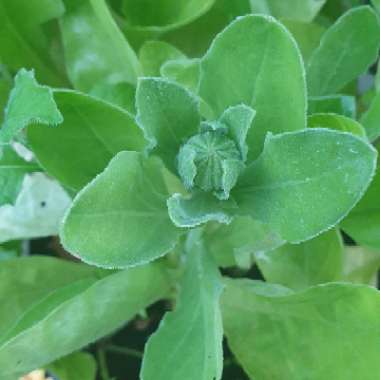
(371, 119)
(339, 104)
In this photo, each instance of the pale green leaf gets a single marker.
(120, 219)
(299, 266)
(305, 182)
(93, 131)
(335, 62)
(188, 342)
(337, 122)
(28, 103)
(39, 337)
(95, 49)
(339, 104)
(371, 119)
(325, 332)
(37, 212)
(255, 61)
(168, 115)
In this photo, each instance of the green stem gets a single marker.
(125, 351)
(103, 369)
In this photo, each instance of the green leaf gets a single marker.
(188, 342)
(339, 104)
(258, 56)
(299, 10)
(314, 262)
(200, 208)
(37, 212)
(363, 222)
(371, 119)
(12, 171)
(240, 239)
(337, 122)
(95, 49)
(313, 334)
(153, 54)
(168, 115)
(28, 103)
(93, 131)
(77, 366)
(123, 215)
(361, 265)
(40, 337)
(305, 182)
(23, 42)
(335, 62)
(163, 15)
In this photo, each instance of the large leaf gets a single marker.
(305, 182)
(299, 10)
(38, 336)
(28, 103)
(168, 115)
(37, 212)
(313, 334)
(314, 262)
(163, 15)
(120, 219)
(188, 342)
(256, 61)
(23, 42)
(95, 49)
(81, 147)
(335, 62)
(12, 171)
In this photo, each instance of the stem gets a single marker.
(125, 351)
(103, 369)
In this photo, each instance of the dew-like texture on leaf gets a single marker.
(77, 366)
(188, 342)
(163, 15)
(37, 212)
(12, 171)
(340, 104)
(28, 103)
(200, 208)
(168, 114)
(256, 61)
(63, 320)
(305, 182)
(120, 219)
(325, 332)
(153, 54)
(298, 266)
(95, 49)
(23, 42)
(335, 62)
(298, 10)
(337, 122)
(371, 119)
(93, 131)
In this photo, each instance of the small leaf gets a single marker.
(12, 171)
(200, 208)
(28, 103)
(92, 133)
(188, 342)
(40, 337)
(371, 119)
(339, 104)
(255, 61)
(37, 212)
(337, 122)
(305, 182)
(314, 262)
(168, 115)
(335, 63)
(95, 49)
(123, 215)
(267, 324)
